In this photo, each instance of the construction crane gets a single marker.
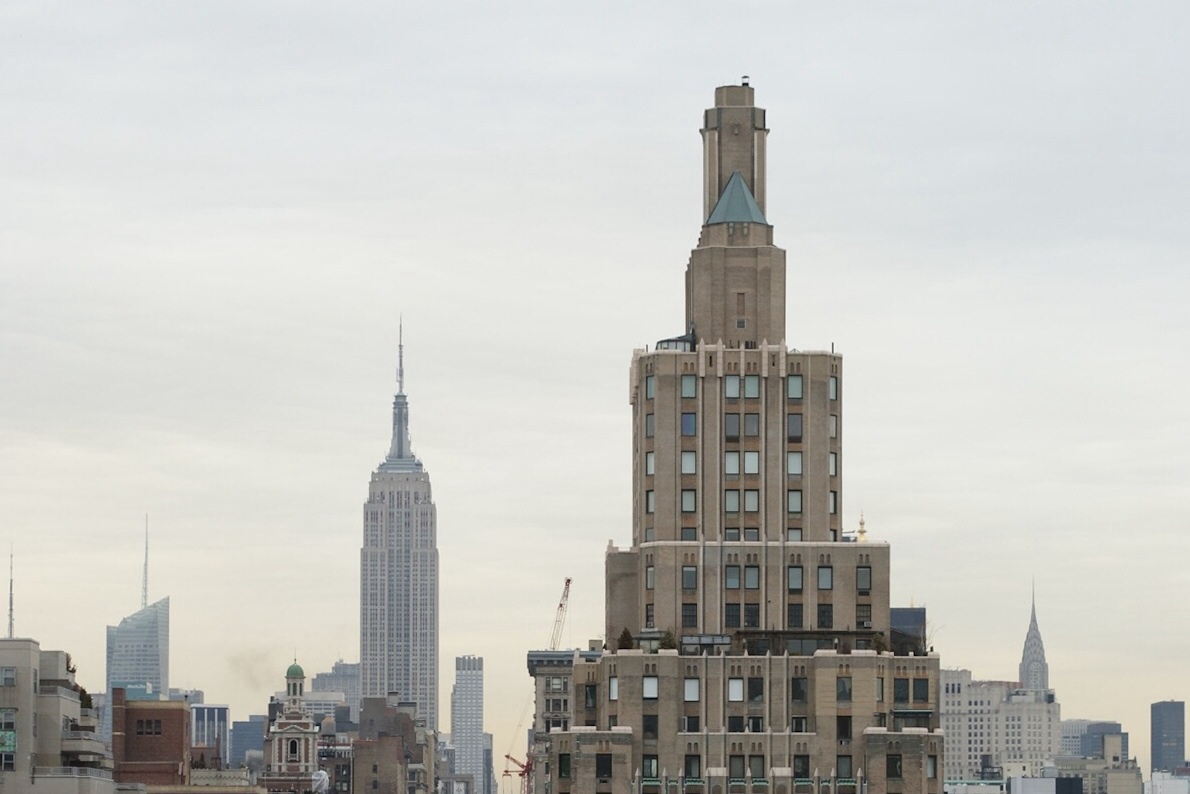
(525, 769)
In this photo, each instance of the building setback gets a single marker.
(751, 630)
(399, 576)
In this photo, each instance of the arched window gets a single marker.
(293, 750)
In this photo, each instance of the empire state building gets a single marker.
(399, 575)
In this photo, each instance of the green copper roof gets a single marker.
(295, 671)
(736, 205)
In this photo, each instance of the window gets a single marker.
(756, 767)
(892, 762)
(8, 762)
(648, 767)
(751, 533)
(156, 727)
(689, 577)
(689, 616)
(793, 462)
(751, 501)
(826, 616)
(794, 616)
(690, 690)
(751, 577)
(834, 426)
(735, 690)
(293, 749)
(843, 766)
(689, 424)
(735, 766)
(648, 425)
(801, 767)
(731, 577)
(932, 767)
(751, 387)
(648, 616)
(793, 534)
(650, 503)
(8, 676)
(731, 387)
(879, 690)
(826, 577)
(752, 425)
(603, 765)
(751, 463)
(793, 427)
(731, 464)
(755, 690)
(563, 765)
(649, 391)
(689, 501)
(843, 689)
(648, 724)
(794, 499)
(140, 727)
(690, 724)
(833, 466)
(793, 387)
(731, 427)
(834, 504)
(8, 719)
(731, 501)
(648, 463)
(900, 690)
(693, 767)
(794, 575)
(843, 727)
(689, 533)
(735, 723)
(689, 386)
(799, 689)
(921, 690)
(834, 388)
(589, 691)
(648, 534)
(648, 577)
(731, 616)
(863, 579)
(751, 616)
(689, 462)
(731, 533)
(613, 688)
(799, 724)
(756, 724)
(863, 616)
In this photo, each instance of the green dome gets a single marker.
(295, 671)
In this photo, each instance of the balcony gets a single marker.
(49, 772)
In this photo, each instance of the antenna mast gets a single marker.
(144, 586)
(401, 355)
(10, 625)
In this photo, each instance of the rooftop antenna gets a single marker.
(10, 624)
(745, 80)
(144, 585)
(401, 355)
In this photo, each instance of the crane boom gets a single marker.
(560, 617)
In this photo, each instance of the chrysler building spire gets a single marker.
(1034, 670)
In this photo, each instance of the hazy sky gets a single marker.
(212, 214)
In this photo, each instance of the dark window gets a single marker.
(140, 727)
(589, 696)
(751, 616)
(843, 727)
(843, 688)
(755, 690)
(799, 688)
(794, 616)
(731, 616)
(826, 616)
(689, 616)
(892, 766)
(689, 533)
(900, 690)
(735, 766)
(863, 616)
(800, 725)
(801, 766)
(648, 425)
(563, 764)
(863, 579)
(735, 724)
(689, 424)
(648, 767)
(921, 690)
(648, 616)
(156, 727)
(689, 577)
(751, 424)
(690, 723)
(794, 427)
(693, 767)
(603, 765)
(731, 427)
(756, 724)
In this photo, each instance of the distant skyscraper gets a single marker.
(399, 575)
(138, 652)
(343, 677)
(466, 720)
(1167, 735)
(1034, 671)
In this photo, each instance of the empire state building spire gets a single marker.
(400, 451)
(1034, 670)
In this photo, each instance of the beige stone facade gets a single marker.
(759, 627)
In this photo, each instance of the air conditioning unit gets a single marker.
(867, 624)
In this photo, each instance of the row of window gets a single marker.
(754, 766)
(750, 460)
(148, 727)
(746, 386)
(751, 689)
(732, 501)
(794, 575)
(731, 426)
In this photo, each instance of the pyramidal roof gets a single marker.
(1034, 670)
(736, 204)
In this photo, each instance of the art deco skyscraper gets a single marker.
(399, 575)
(466, 721)
(1034, 670)
(760, 656)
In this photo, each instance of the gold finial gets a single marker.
(863, 533)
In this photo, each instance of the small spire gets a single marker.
(144, 585)
(10, 601)
(863, 532)
(401, 355)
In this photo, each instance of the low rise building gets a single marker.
(150, 740)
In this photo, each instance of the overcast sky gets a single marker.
(212, 214)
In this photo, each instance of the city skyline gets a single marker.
(214, 218)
